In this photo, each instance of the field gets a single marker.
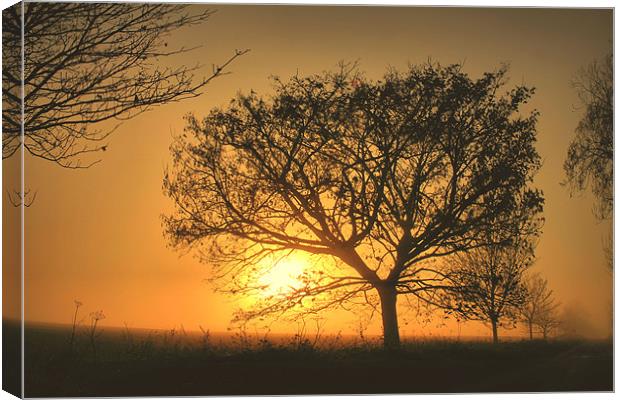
(148, 363)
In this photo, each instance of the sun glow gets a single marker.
(281, 275)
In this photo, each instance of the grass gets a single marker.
(147, 363)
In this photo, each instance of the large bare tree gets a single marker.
(86, 63)
(375, 178)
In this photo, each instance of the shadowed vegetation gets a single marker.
(175, 362)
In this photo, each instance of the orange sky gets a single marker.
(95, 235)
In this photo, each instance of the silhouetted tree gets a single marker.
(374, 178)
(85, 63)
(489, 281)
(548, 320)
(539, 308)
(590, 155)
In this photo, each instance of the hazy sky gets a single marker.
(95, 235)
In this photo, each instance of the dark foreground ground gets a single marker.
(174, 363)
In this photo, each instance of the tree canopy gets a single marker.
(379, 177)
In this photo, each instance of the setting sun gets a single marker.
(281, 274)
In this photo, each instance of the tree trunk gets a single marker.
(531, 331)
(391, 337)
(494, 326)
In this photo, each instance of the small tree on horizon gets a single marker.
(548, 320)
(489, 281)
(540, 308)
(376, 179)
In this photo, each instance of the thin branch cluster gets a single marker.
(540, 309)
(86, 63)
(589, 162)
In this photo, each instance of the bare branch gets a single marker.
(87, 63)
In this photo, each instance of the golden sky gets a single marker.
(95, 235)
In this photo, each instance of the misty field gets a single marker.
(127, 362)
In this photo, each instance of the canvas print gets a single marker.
(221, 199)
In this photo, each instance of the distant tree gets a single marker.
(86, 63)
(548, 320)
(539, 308)
(591, 153)
(375, 178)
(489, 281)
(534, 288)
